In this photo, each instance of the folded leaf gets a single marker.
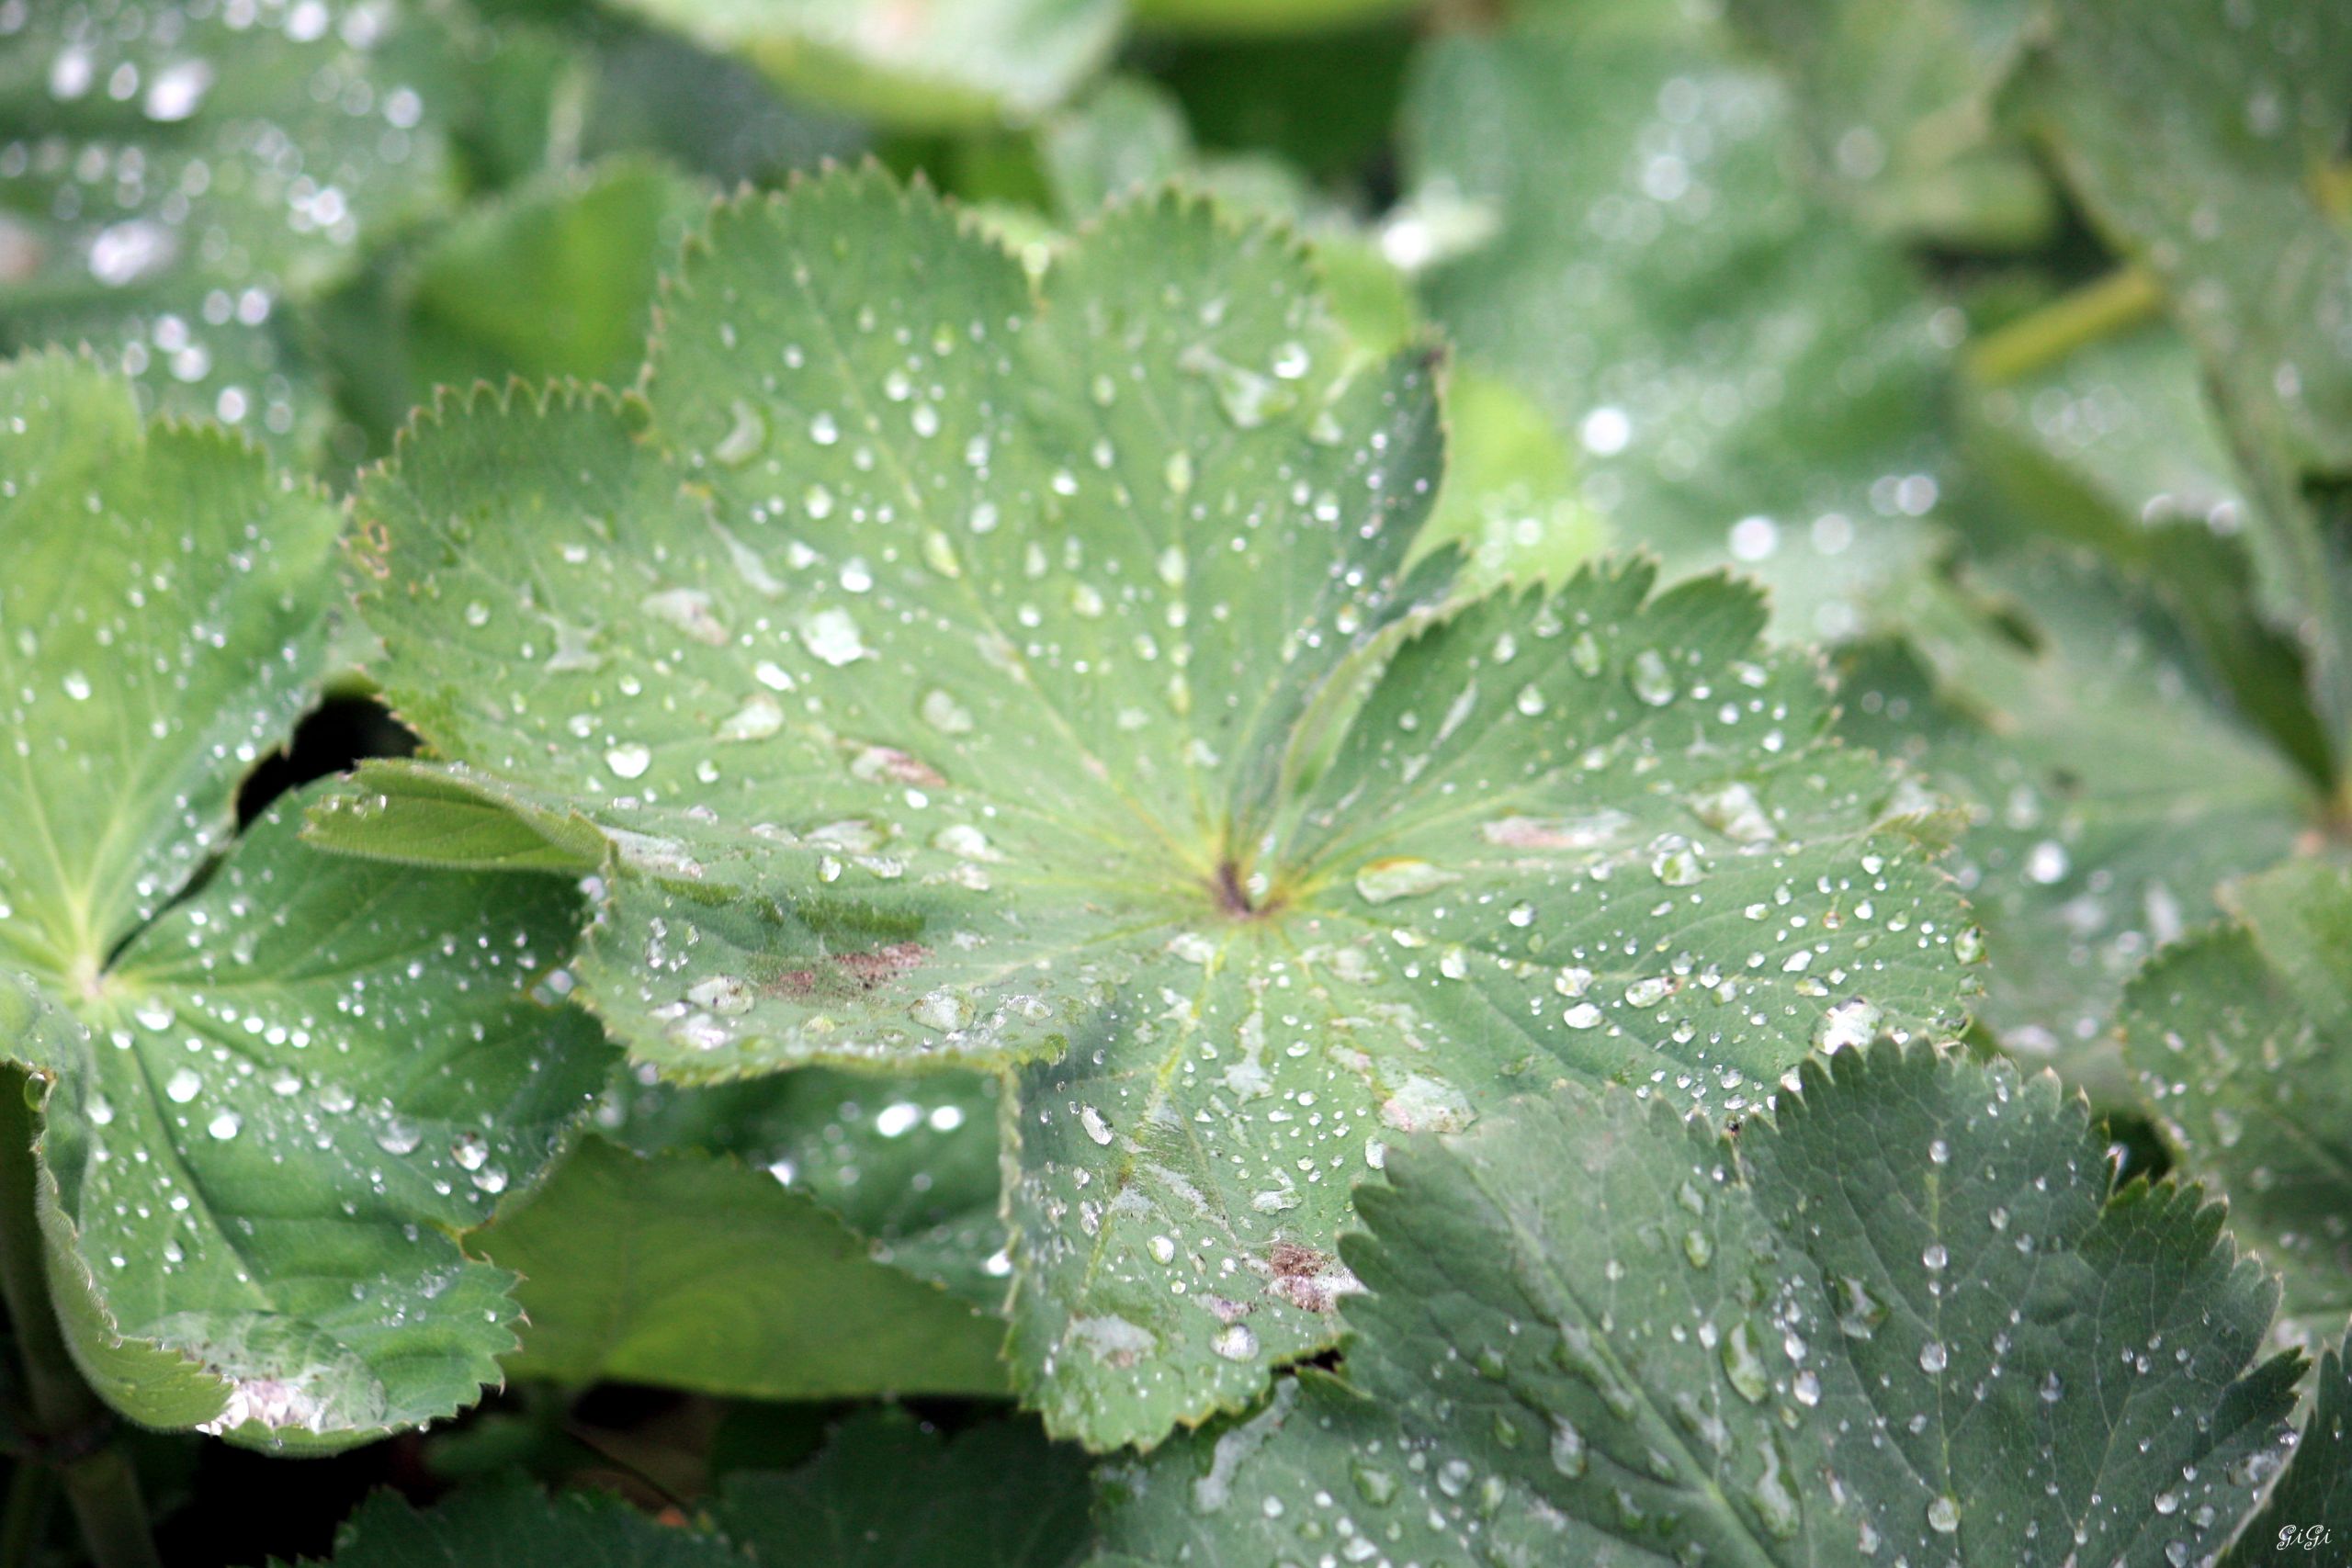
(272, 1100)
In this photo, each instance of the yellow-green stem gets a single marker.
(2116, 302)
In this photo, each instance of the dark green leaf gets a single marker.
(886, 1493)
(2109, 785)
(1901, 1320)
(2243, 1037)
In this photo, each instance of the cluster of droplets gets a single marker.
(185, 228)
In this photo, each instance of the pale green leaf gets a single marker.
(1900, 1319)
(554, 278)
(240, 168)
(2243, 1038)
(2107, 783)
(968, 64)
(1896, 103)
(1240, 17)
(1751, 378)
(1510, 500)
(2198, 134)
(969, 676)
(270, 1106)
(908, 1163)
(697, 1272)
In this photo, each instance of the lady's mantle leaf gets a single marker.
(1904, 1321)
(2108, 784)
(969, 63)
(968, 676)
(884, 1493)
(887, 1493)
(695, 1271)
(272, 1106)
(2243, 1038)
(173, 189)
(1751, 377)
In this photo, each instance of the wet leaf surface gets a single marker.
(1902, 1319)
(964, 677)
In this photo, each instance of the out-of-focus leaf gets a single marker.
(2244, 1036)
(695, 1271)
(974, 674)
(553, 280)
(1896, 103)
(1243, 16)
(928, 64)
(2114, 447)
(1751, 377)
(908, 1163)
(1902, 1319)
(2109, 786)
(1511, 498)
(173, 195)
(2196, 133)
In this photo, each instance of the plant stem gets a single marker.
(98, 1480)
(2042, 338)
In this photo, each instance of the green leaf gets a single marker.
(910, 1163)
(2185, 128)
(966, 676)
(1751, 377)
(2114, 445)
(1901, 1319)
(553, 279)
(2109, 785)
(1239, 17)
(930, 67)
(515, 1525)
(694, 1271)
(2242, 1037)
(271, 1106)
(2313, 1501)
(250, 165)
(887, 1493)
(1510, 499)
(1896, 103)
